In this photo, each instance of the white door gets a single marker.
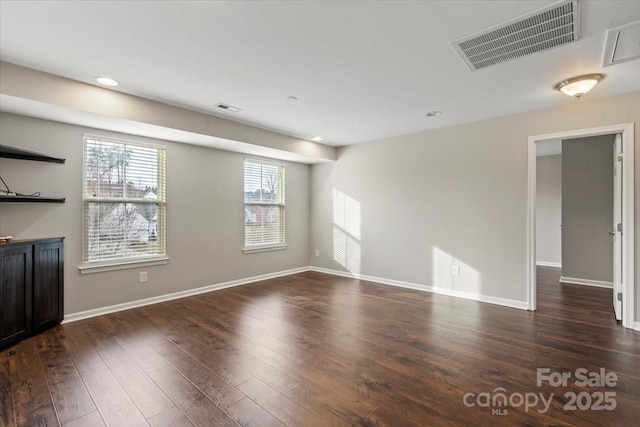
(617, 227)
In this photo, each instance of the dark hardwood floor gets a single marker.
(318, 350)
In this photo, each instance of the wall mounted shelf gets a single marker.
(18, 153)
(30, 199)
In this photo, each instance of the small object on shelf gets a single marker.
(5, 239)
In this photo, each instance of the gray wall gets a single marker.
(205, 215)
(548, 208)
(587, 208)
(459, 193)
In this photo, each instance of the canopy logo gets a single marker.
(499, 400)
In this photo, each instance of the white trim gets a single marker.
(121, 265)
(637, 326)
(522, 305)
(549, 264)
(586, 282)
(628, 212)
(95, 136)
(264, 160)
(264, 248)
(176, 295)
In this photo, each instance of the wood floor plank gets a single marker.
(233, 351)
(141, 351)
(279, 406)
(172, 417)
(335, 408)
(144, 393)
(7, 414)
(191, 401)
(113, 403)
(225, 369)
(214, 387)
(31, 396)
(248, 414)
(92, 419)
(70, 396)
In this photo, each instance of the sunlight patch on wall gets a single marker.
(346, 231)
(469, 279)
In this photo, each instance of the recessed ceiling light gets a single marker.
(434, 113)
(292, 98)
(106, 81)
(578, 86)
(317, 138)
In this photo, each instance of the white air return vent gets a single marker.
(623, 44)
(228, 107)
(535, 32)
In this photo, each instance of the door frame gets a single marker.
(628, 212)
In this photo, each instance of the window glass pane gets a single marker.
(264, 213)
(104, 169)
(124, 191)
(117, 230)
(263, 225)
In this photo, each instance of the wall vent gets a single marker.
(228, 107)
(535, 32)
(623, 44)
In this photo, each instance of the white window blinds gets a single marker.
(264, 204)
(124, 201)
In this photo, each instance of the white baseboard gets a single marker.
(587, 282)
(549, 264)
(176, 295)
(522, 305)
(637, 326)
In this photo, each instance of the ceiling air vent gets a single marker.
(623, 44)
(228, 107)
(541, 30)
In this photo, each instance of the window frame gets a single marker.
(282, 206)
(125, 261)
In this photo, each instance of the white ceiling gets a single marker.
(361, 70)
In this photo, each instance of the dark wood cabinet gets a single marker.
(31, 288)
(16, 284)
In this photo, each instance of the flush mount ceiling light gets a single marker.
(434, 113)
(317, 138)
(106, 81)
(578, 86)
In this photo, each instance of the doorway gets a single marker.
(624, 279)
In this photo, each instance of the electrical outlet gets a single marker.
(317, 252)
(143, 276)
(455, 270)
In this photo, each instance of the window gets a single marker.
(264, 209)
(124, 202)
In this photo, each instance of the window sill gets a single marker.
(121, 265)
(265, 248)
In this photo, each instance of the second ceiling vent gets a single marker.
(541, 30)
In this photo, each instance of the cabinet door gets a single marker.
(15, 294)
(48, 260)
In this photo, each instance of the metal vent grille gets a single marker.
(228, 107)
(543, 29)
